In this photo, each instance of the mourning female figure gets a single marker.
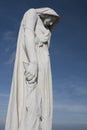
(31, 99)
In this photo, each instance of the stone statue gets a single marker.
(31, 101)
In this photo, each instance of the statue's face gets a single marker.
(48, 20)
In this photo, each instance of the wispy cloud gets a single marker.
(70, 114)
(4, 98)
(9, 36)
(71, 87)
(9, 39)
(4, 95)
(11, 59)
(71, 108)
(2, 122)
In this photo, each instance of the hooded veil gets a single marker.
(46, 10)
(16, 99)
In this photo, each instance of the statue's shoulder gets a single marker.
(30, 14)
(30, 11)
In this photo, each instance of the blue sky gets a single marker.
(68, 53)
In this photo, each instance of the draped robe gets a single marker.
(30, 106)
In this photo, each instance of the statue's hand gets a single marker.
(31, 73)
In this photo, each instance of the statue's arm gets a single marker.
(30, 21)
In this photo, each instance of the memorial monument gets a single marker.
(31, 99)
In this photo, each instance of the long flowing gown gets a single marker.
(38, 115)
(30, 106)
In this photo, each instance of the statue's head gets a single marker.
(48, 16)
(49, 21)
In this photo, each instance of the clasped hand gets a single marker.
(31, 73)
